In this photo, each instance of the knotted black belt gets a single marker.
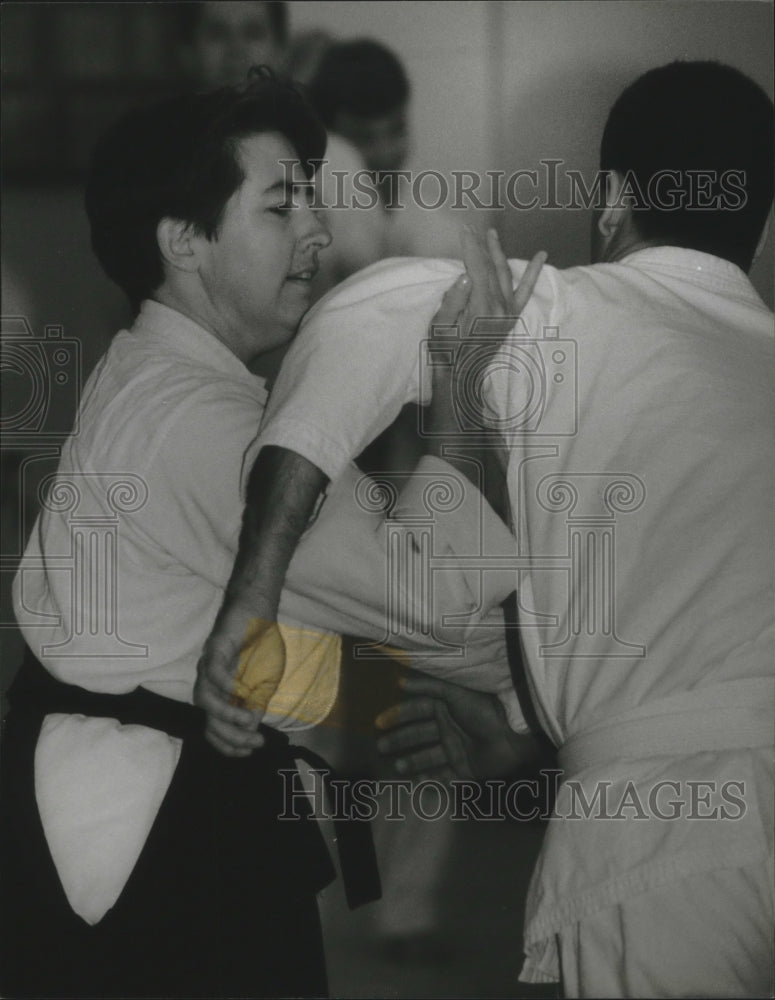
(36, 691)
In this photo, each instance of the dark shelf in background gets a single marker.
(68, 70)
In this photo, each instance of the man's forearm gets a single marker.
(282, 491)
(244, 658)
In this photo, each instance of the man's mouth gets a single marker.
(306, 274)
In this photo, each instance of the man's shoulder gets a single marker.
(141, 383)
(193, 411)
(143, 405)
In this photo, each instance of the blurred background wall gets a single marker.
(504, 84)
(495, 86)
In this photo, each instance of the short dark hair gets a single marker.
(360, 77)
(696, 116)
(178, 158)
(188, 17)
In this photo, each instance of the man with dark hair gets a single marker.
(634, 408)
(138, 865)
(692, 146)
(193, 176)
(218, 42)
(135, 859)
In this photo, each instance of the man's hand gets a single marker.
(235, 702)
(482, 300)
(482, 303)
(443, 731)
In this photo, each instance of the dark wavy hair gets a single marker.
(178, 158)
(696, 116)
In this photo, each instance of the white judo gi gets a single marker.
(636, 403)
(126, 567)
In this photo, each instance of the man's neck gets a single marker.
(624, 248)
(168, 297)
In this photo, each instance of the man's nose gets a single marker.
(314, 229)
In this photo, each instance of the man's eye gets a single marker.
(281, 209)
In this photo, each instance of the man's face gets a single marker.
(230, 38)
(382, 142)
(257, 271)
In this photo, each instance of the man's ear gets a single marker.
(614, 214)
(179, 244)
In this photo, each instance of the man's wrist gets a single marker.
(241, 615)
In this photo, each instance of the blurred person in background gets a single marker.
(362, 92)
(221, 39)
(305, 50)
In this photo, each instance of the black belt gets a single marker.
(518, 672)
(497, 493)
(36, 690)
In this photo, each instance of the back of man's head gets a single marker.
(361, 78)
(361, 91)
(179, 159)
(694, 143)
